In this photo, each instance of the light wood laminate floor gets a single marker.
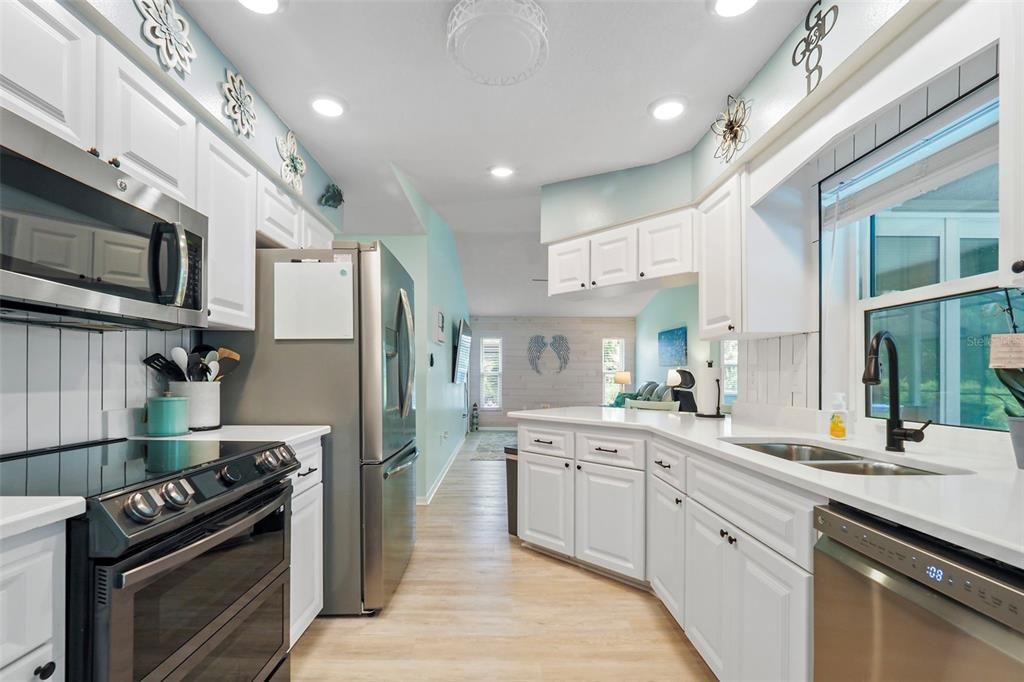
(474, 605)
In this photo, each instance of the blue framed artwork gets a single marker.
(672, 347)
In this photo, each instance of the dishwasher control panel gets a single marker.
(995, 593)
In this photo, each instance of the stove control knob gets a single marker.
(141, 507)
(229, 475)
(286, 454)
(267, 461)
(175, 495)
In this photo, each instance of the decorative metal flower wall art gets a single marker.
(293, 167)
(332, 196)
(731, 128)
(167, 31)
(239, 105)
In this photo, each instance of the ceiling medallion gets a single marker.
(167, 31)
(293, 167)
(498, 42)
(731, 128)
(239, 105)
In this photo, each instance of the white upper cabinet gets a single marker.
(48, 68)
(152, 135)
(721, 260)
(613, 258)
(666, 527)
(610, 518)
(279, 217)
(546, 502)
(316, 234)
(227, 195)
(1011, 145)
(569, 266)
(666, 245)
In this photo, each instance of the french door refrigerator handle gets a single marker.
(406, 311)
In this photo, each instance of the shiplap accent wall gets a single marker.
(63, 386)
(780, 371)
(523, 389)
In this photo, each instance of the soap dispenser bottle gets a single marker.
(837, 423)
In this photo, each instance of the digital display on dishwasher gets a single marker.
(935, 573)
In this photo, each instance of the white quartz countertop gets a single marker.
(21, 514)
(285, 434)
(978, 504)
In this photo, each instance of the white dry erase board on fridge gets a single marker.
(314, 300)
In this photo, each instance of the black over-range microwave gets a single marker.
(83, 244)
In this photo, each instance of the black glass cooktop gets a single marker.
(99, 468)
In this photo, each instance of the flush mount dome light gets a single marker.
(667, 108)
(325, 106)
(501, 171)
(261, 6)
(498, 42)
(730, 8)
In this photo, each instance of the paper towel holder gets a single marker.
(718, 400)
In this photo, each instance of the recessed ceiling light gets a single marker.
(667, 109)
(261, 6)
(731, 8)
(501, 171)
(325, 106)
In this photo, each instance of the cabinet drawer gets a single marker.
(310, 455)
(616, 449)
(668, 463)
(780, 518)
(545, 441)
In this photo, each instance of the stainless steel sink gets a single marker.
(796, 452)
(869, 468)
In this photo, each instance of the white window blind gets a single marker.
(613, 359)
(490, 374)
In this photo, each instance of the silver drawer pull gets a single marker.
(612, 451)
(543, 442)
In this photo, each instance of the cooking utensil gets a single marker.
(227, 366)
(181, 359)
(211, 356)
(202, 349)
(214, 370)
(162, 364)
(196, 369)
(228, 353)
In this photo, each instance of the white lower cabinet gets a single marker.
(307, 566)
(747, 609)
(546, 502)
(610, 518)
(666, 550)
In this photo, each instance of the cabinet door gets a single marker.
(279, 217)
(706, 585)
(613, 257)
(121, 258)
(48, 68)
(720, 262)
(770, 609)
(666, 245)
(226, 194)
(316, 234)
(546, 502)
(569, 266)
(666, 527)
(32, 595)
(610, 518)
(1011, 146)
(307, 569)
(145, 127)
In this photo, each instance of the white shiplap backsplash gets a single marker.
(781, 371)
(63, 386)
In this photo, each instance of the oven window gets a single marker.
(174, 608)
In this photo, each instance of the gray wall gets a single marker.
(522, 388)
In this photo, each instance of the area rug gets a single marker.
(489, 446)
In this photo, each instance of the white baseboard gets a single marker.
(426, 499)
(510, 427)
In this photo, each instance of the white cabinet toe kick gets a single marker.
(726, 551)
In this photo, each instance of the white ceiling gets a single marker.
(406, 104)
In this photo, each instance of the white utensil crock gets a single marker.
(203, 402)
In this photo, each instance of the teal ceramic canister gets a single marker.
(167, 416)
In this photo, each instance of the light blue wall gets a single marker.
(204, 82)
(670, 308)
(585, 204)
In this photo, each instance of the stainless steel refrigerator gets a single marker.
(363, 388)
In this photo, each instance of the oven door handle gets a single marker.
(186, 554)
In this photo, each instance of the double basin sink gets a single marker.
(827, 459)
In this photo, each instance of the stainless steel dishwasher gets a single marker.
(892, 604)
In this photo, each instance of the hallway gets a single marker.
(474, 605)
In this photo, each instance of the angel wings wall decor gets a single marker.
(536, 346)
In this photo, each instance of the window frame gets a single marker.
(622, 366)
(722, 364)
(499, 373)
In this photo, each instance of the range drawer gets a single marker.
(614, 448)
(667, 462)
(544, 441)
(311, 456)
(778, 517)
